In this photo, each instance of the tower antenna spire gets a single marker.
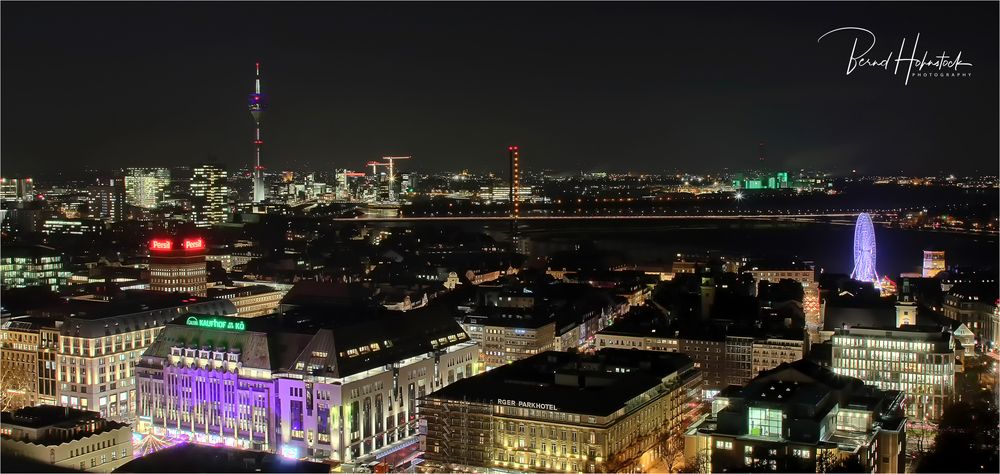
(257, 81)
(256, 105)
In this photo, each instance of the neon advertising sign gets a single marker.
(216, 323)
(161, 244)
(166, 245)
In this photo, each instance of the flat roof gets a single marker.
(591, 384)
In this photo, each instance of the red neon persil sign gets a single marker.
(194, 244)
(161, 245)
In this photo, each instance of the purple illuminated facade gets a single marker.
(864, 251)
(345, 394)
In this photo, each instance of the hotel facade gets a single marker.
(556, 412)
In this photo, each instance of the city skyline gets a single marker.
(573, 237)
(595, 88)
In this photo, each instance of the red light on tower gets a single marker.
(194, 244)
(161, 245)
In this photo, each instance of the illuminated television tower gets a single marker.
(256, 103)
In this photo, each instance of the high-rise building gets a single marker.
(178, 265)
(797, 417)
(209, 195)
(17, 189)
(563, 412)
(916, 360)
(302, 384)
(514, 188)
(933, 263)
(107, 201)
(144, 187)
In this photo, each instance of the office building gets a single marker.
(934, 263)
(335, 384)
(107, 201)
(100, 340)
(22, 266)
(81, 227)
(777, 180)
(177, 264)
(144, 187)
(798, 415)
(17, 189)
(209, 195)
(563, 412)
(66, 438)
(250, 301)
(919, 361)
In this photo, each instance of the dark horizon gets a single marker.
(586, 86)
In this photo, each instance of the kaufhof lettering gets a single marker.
(214, 323)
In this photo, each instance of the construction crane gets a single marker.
(375, 165)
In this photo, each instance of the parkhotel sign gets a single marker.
(523, 404)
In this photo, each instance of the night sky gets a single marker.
(579, 86)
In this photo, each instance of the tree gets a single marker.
(967, 439)
(17, 385)
(699, 464)
(673, 453)
(828, 461)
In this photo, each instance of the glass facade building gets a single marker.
(918, 361)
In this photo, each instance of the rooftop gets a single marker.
(186, 457)
(128, 302)
(333, 340)
(592, 384)
(47, 415)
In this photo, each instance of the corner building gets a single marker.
(556, 412)
(329, 384)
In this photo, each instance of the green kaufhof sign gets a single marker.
(216, 323)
